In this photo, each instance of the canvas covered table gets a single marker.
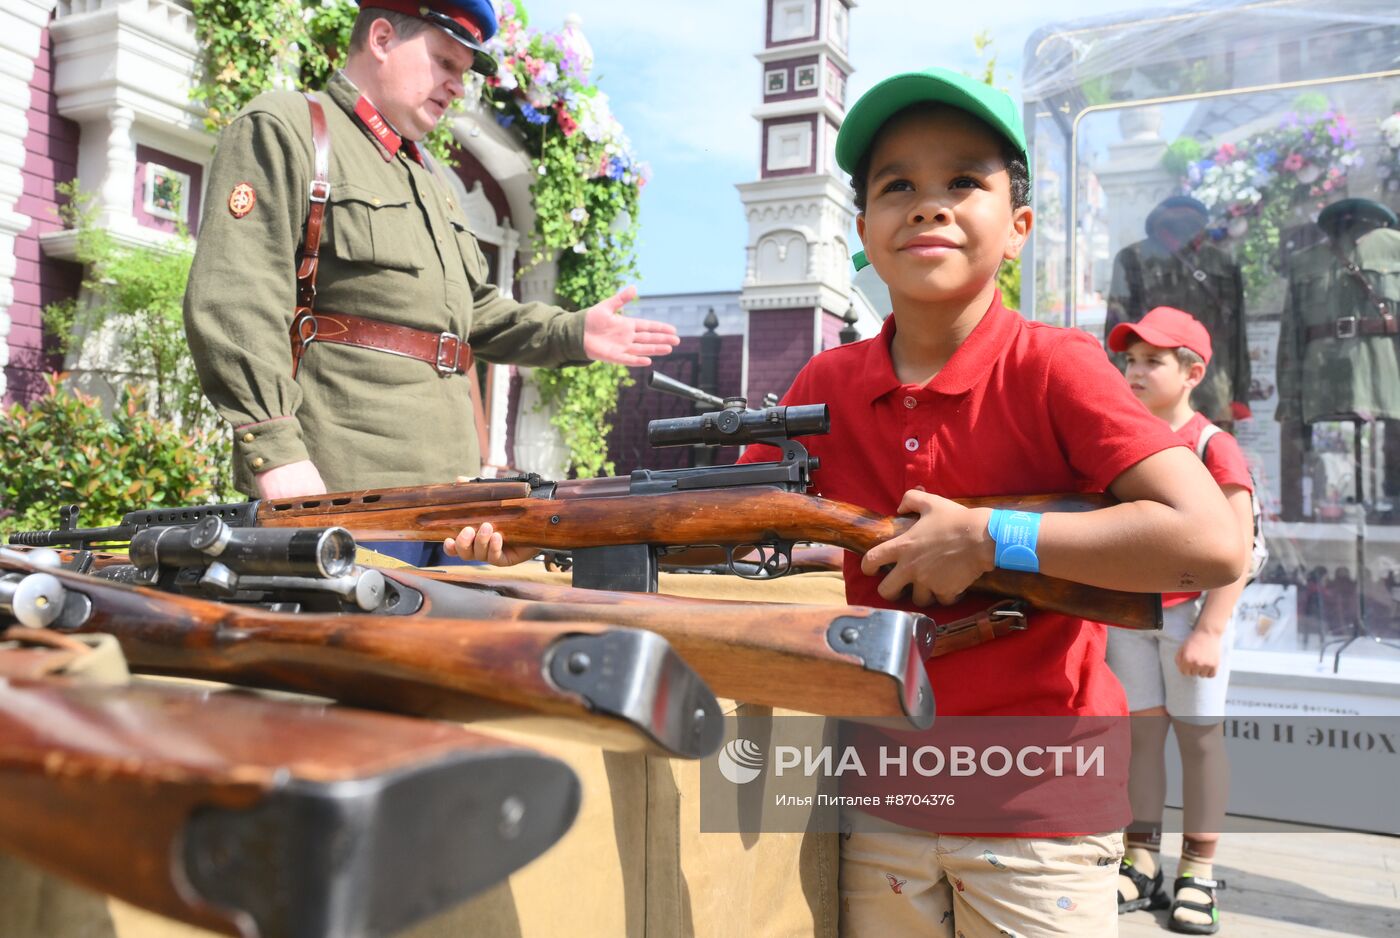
(634, 863)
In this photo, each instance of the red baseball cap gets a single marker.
(1163, 327)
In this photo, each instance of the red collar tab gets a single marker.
(375, 123)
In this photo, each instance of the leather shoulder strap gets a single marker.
(315, 218)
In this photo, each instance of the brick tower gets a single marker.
(797, 280)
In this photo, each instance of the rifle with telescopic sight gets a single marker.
(618, 528)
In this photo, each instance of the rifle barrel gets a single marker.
(623, 688)
(731, 517)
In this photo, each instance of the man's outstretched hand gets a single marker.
(622, 340)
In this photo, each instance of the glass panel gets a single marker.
(1269, 215)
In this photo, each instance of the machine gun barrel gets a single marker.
(670, 385)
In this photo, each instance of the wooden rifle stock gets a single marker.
(733, 516)
(844, 661)
(262, 818)
(621, 688)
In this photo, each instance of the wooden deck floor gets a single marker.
(1294, 884)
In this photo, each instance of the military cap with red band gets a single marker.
(470, 22)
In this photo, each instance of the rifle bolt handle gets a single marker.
(38, 600)
(45, 557)
(369, 590)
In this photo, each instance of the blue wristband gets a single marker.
(1016, 534)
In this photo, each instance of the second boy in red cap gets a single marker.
(1182, 672)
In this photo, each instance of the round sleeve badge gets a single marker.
(241, 199)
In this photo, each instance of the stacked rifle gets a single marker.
(257, 816)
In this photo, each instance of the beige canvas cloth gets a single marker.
(634, 863)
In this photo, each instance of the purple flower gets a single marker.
(616, 169)
(505, 120)
(571, 66)
(532, 115)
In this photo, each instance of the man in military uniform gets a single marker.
(398, 299)
(1176, 266)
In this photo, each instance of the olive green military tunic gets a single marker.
(1204, 282)
(1340, 377)
(396, 248)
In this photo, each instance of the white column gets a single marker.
(498, 408)
(21, 24)
(119, 181)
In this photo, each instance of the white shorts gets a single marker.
(1145, 664)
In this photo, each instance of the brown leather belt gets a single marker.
(445, 351)
(1349, 327)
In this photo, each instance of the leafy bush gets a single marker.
(138, 293)
(64, 449)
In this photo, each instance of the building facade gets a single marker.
(98, 91)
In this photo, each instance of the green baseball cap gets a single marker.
(935, 85)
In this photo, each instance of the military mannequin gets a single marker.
(399, 302)
(1177, 266)
(1339, 348)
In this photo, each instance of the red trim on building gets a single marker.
(51, 157)
(780, 343)
(790, 66)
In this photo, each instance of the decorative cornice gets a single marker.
(140, 54)
(800, 107)
(63, 245)
(820, 47)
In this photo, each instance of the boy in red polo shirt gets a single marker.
(960, 396)
(1183, 671)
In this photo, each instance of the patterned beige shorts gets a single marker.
(896, 881)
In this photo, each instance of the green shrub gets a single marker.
(64, 449)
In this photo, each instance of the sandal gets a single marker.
(1150, 893)
(1207, 886)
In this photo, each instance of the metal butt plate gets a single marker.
(635, 675)
(893, 643)
(367, 858)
